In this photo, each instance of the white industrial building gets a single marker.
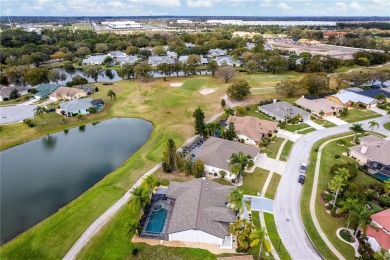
(123, 24)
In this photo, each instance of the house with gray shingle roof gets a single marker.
(216, 52)
(227, 60)
(348, 99)
(155, 60)
(5, 92)
(371, 148)
(282, 110)
(216, 152)
(94, 60)
(78, 106)
(200, 212)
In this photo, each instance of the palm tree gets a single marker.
(40, 111)
(133, 226)
(348, 206)
(357, 128)
(111, 94)
(236, 170)
(373, 124)
(223, 132)
(139, 200)
(257, 237)
(363, 217)
(150, 181)
(241, 159)
(322, 113)
(235, 198)
(381, 255)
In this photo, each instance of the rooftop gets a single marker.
(377, 149)
(76, 104)
(283, 109)
(345, 96)
(217, 152)
(201, 205)
(382, 218)
(318, 105)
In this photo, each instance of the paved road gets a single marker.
(286, 204)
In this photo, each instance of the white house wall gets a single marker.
(359, 157)
(246, 139)
(212, 169)
(195, 236)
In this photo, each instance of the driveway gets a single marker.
(336, 120)
(287, 200)
(379, 111)
(13, 114)
(314, 125)
(263, 161)
(288, 135)
(258, 204)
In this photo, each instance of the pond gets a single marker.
(114, 77)
(41, 176)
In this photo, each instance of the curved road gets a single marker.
(287, 200)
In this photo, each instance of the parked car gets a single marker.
(303, 168)
(301, 179)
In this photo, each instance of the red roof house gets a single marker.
(380, 238)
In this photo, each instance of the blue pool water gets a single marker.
(381, 177)
(99, 107)
(157, 221)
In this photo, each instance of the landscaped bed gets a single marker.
(346, 235)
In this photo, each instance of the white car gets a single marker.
(303, 168)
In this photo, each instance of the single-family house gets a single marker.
(78, 106)
(319, 106)
(200, 212)
(373, 93)
(282, 111)
(5, 92)
(189, 45)
(202, 60)
(252, 129)
(354, 89)
(88, 89)
(348, 99)
(216, 52)
(250, 45)
(172, 54)
(117, 54)
(155, 60)
(379, 237)
(371, 149)
(216, 152)
(44, 90)
(227, 60)
(65, 93)
(94, 60)
(128, 59)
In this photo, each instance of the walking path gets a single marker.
(313, 200)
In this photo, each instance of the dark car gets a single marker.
(301, 179)
(303, 168)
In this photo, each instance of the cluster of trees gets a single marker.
(313, 84)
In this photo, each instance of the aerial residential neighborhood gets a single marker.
(195, 130)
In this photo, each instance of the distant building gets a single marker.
(183, 21)
(202, 60)
(155, 60)
(80, 106)
(216, 52)
(348, 99)
(123, 24)
(335, 34)
(5, 92)
(227, 60)
(94, 60)
(65, 93)
(44, 90)
(282, 111)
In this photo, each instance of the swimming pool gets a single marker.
(157, 220)
(381, 176)
(99, 107)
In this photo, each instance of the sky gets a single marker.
(195, 7)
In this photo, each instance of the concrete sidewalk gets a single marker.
(336, 120)
(272, 165)
(314, 125)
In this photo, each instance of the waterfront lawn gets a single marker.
(254, 182)
(53, 237)
(273, 186)
(286, 151)
(273, 147)
(356, 115)
(274, 236)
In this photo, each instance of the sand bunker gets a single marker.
(176, 84)
(207, 91)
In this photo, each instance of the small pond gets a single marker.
(41, 176)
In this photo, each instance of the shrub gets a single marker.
(69, 84)
(135, 251)
(28, 122)
(346, 235)
(241, 110)
(264, 142)
(341, 142)
(333, 212)
(327, 196)
(352, 168)
(222, 173)
(384, 201)
(329, 206)
(337, 156)
(80, 117)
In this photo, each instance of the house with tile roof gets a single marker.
(348, 99)
(216, 152)
(371, 149)
(65, 93)
(321, 104)
(252, 129)
(200, 213)
(379, 237)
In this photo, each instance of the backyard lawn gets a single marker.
(253, 182)
(273, 186)
(272, 148)
(253, 112)
(286, 151)
(356, 115)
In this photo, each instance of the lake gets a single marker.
(41, 176)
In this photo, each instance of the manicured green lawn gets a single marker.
(328, 224)
(293, 128)
(272, 148)
(387, 126)
(194, 84)
(322, 122)
(256, 219)
(253, 112)
(286, 151)
(273, 186)
(19, 100)
(356, 115)
(274, 236)
(307, 130)
(254, 182)
(222, 181)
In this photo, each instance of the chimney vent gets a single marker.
(363, 150)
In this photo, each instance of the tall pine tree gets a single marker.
(198, 115)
